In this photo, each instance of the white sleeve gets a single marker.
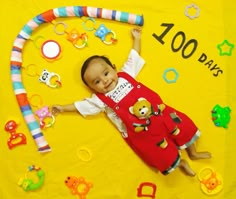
(134, 64)
(90, 106)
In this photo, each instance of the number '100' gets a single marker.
(186, 51)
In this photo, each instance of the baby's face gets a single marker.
(100, 76)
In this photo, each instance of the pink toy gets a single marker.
(43, 113)
(15, 138)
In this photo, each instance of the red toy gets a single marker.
(15, 138)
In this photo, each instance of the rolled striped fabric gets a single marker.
(25, 34)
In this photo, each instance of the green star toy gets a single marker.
(221, 116)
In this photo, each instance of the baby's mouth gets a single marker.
(108, 85)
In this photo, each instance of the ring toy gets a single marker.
(211, 181)
(27, 184)
(196, 9)
(57, 24)
(169, 80)
(84, 154)
(35, 41)
(86, 27)
(73, 36)
(24, 35)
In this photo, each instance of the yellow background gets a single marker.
(114, 169)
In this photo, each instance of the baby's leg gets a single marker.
(184, 166)
(194, 155)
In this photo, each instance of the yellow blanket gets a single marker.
(190, 61)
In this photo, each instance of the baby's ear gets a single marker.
(131, 110)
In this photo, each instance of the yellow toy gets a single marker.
(211, 181)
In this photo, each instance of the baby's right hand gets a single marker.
(56, 109)
(136, 33)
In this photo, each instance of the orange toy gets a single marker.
(78, 186)
(211, 181)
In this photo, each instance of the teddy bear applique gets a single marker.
(143, 109)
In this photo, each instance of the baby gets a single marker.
(115, 92)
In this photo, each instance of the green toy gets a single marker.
(221, 116)
(27, 184)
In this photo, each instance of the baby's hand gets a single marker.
(136, 33)
(56, 109)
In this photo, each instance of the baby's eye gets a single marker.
(97, 81)
(106, 73)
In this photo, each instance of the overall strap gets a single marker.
(128, 78)
(107, 100)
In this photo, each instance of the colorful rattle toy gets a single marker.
(28, 184)
(42, 113)
(78, 186)
(147, 184)
(221, 116)
(102, 31)
(51, 79)
(47, 77)
(15, 138)
(73, 36)
(211, 181)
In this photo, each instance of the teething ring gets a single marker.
(84, 39)
(36, 39)
(31, 73)
(84, 154)
(211, 181)
(43, 123)
(40, 100)
(57, 82)
(56, 25)
(113, 38)
(85, 26)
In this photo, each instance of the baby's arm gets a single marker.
(63, 108)
(136, 34)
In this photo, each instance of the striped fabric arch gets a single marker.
(25, 34)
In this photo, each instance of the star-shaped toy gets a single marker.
(225, 48)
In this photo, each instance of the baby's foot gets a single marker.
(184, 166)
(200, 155)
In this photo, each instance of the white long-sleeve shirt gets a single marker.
(93, 105)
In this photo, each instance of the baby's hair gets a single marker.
(88, 61)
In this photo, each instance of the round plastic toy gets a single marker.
(221, 116)
(51, 50)
(211, 181)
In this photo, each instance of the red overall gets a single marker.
(146, 143)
